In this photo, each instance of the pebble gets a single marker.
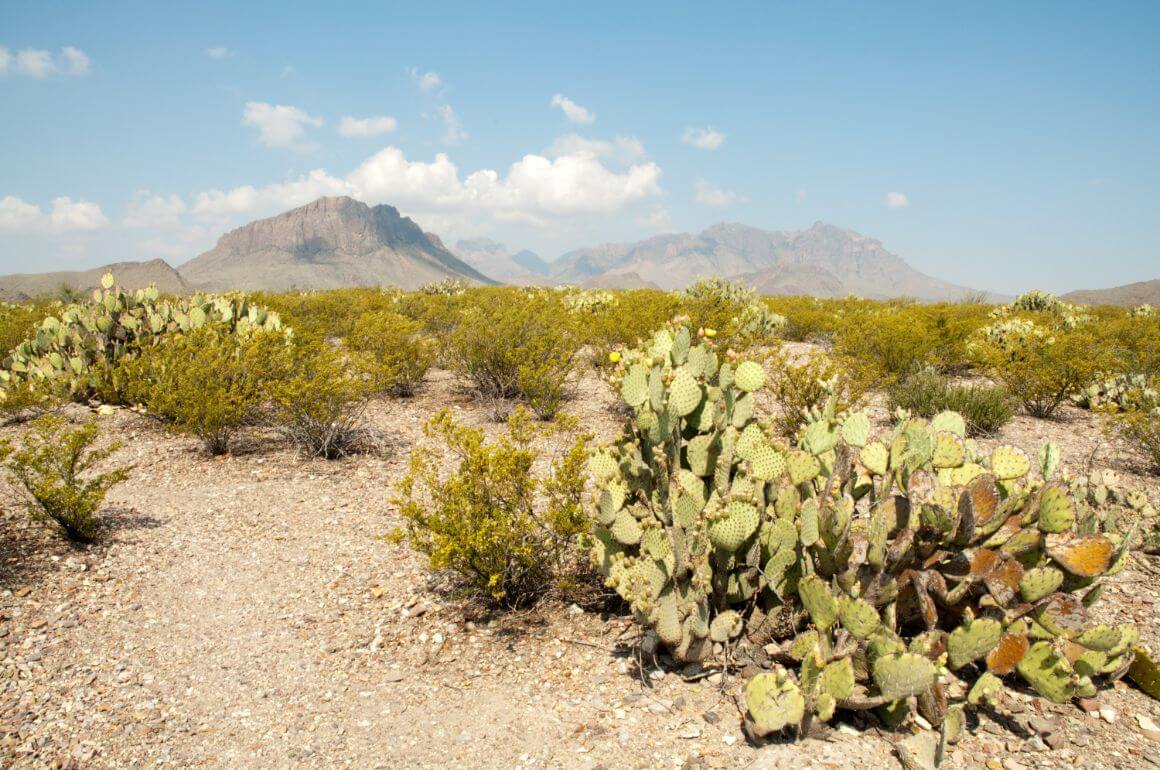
(1108, 714)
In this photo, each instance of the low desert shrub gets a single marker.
(1139, 425)
(1041, 368)
(398, 352)
(513, 347)
(207, 383)
(802, 387)
(52, 464)
(986, 408)
(733, 310)
(479, 509)
(318, 399)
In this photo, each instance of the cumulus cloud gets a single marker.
(534, 189)
(39, 63)
(219, 52)
(279, 125)
(362, 127)
(453, 132)
(573, 111)
(148, 210)
(703, 138)
(897, 200)
(709, 194)
(66, 215)
(426, 81)
(624, 149)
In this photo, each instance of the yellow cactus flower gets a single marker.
(614, 356)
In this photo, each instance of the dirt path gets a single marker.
(247, 613)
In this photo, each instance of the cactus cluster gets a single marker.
(587, 301)
(1036, 301)
(889, 566)
(79, 346)
(448, 287)
(1119, 393)
(753, 321)
(1142, 311)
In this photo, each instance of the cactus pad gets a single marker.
(971, 641)
(875, 457)
(818, 601)
(731, 531)
(726, 626)
(1008, 462)
(952, 422)
(772, 702)
(634, 387)
(802, 466)
(1056, 513)
(749, 376)
(684, 394)
(902, 675)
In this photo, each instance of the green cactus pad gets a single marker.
(876, 457)
(701, 453)
(902, 675)
(749, 376)
(634, 387)
(625, 528)
(818, 601)
(971, 641)
(766, 463)
(802, 466)
(1056, 513)
(838, 679)
(1101, 637)
(1008, 462)
(1048, 459)
(858, 617)
(856, 429)
(948, 450)
(952, 422)
(1145, 673)
(985, 689)
(819, 438)
(726, 626)
(684, 394)
(730, 532)
(772, 702)
(1047, 673)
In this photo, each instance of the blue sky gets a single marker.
(997, 145)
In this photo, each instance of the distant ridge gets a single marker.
(494, 260)
(130, 276)
(1128, 295)
(332, 243)
(823, 261)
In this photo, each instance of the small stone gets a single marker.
(1012, 764)
(393, 676)
(1146, 723)
(1108, 714)
(1088, 705)
(1035, 743)
(714, 678)
(1056, 740)
(730, 740)
(690, 730)
(712, 717)
(993, 764)
(1042, 726)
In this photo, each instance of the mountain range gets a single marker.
(340, 242)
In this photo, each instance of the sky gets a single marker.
(1001, 146)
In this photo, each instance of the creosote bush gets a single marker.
(398, 352)
(208, 382)
(483, 510)
(986, 408)
(802, 387)
(513, 347)
(317, 400)
(901, 573)
(52, 464)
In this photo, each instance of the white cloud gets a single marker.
(625, 149)
(897, 200)
(703, 138)
(38, 63)
(535, 188)
(76, 61)
(219, 52)
(426, 81)
(66, 215)
(350, 126)
(711, 195)
(151, 211)
(800, 195)
(573, 111)
(278, 125)
(453, 132)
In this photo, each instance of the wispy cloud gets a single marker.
(362, 127)
(219, 52)
(39, 63)
(710, 194)
(896, 200)
(453, 132)
(573, 111)
(703, 138)
(279, 125)
(625, 149)
(425, 81)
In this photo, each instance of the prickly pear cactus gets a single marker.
(79, 347)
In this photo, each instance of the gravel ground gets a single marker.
(247, 612)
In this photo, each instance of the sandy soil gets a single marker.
(247, 612)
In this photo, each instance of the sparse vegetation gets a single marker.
(53, 465)
(483, 510)
(398, 352)
(986, 408)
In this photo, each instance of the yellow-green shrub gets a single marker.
(802, 387)
(398, 352)
(984, 407)
(510, 345)
(479, 509)
(52, 465)
(208, 382)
